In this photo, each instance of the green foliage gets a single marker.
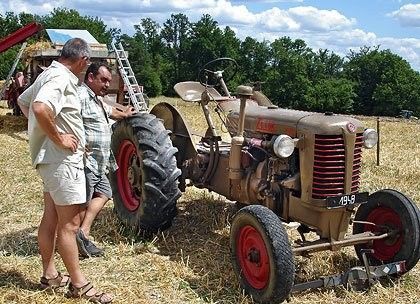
(176, 38)
(287, 78)
(141, 62)
(331, 95)
(63, 18)
(6, 61)
(254, 57)
(370, 81)
(10, 23)
(385, 82)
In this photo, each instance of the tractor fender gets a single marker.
(181, 135)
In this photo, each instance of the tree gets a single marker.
(9, 23)
(330, 95)
(63, 18)
(150, 30)
(176, 35)
(254, 58)
(326, 64)
(287, 81)
(385, 83)
(205, 42)
(142, 64)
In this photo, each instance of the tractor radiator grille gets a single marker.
(330, 166)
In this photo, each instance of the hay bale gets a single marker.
(31, 49)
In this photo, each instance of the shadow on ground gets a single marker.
(200, 235)
(12, 125)
(16, 279)
(20, 243)
(199, 239)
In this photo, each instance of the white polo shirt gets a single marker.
(57, 88)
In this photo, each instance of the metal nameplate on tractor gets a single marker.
(347, 200)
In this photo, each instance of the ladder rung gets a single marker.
(129, 78)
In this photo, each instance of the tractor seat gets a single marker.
(192, 90)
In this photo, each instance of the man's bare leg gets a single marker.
(68, 224)
(92, 210)
(46, 237)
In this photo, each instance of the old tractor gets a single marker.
(283, 166)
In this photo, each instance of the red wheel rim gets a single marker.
(385, 249)
(129, 175)
(253, 257)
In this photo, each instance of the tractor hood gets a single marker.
(274, 120)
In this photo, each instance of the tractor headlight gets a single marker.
(370, 138)
(283, 146)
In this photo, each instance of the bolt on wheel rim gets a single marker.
(253, 257)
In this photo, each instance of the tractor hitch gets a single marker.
(357, 278)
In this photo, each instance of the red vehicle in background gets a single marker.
(14, 86)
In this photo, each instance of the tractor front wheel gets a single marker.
(261, 254)
(389, 211)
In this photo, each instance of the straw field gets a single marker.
(190, 262)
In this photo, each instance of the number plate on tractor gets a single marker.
(347, 200)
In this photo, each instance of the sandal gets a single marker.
(81, 292)
(54, 283)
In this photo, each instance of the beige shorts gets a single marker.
(65, 183)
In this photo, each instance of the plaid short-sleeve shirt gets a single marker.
(95, 114)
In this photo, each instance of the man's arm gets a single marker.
(24, 108)
(45, 117)
(24, 101)
(118, 115)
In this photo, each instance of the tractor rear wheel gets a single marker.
(145, 186)
(390, 211)
(262, 255)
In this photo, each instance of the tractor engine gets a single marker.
(261, 172)
(325, 160)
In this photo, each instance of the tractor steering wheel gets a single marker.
(209, 78)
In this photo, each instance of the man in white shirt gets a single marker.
(57, 146)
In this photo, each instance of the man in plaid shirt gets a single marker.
(99, 157)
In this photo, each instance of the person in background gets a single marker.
(16, 87)
(96, 120)
(57, 147)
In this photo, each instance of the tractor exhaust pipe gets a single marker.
(235, 172)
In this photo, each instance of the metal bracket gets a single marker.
(357, 278)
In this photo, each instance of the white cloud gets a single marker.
(408, 48)
(315, 19)
(408, 15)
(282, 1)
(277, 20)
(143, 6)
(225, 12)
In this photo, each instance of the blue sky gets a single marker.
(338, 25)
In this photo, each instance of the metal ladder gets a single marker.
(135, 92)
(12, 70)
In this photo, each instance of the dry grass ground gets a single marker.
(190, 262)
